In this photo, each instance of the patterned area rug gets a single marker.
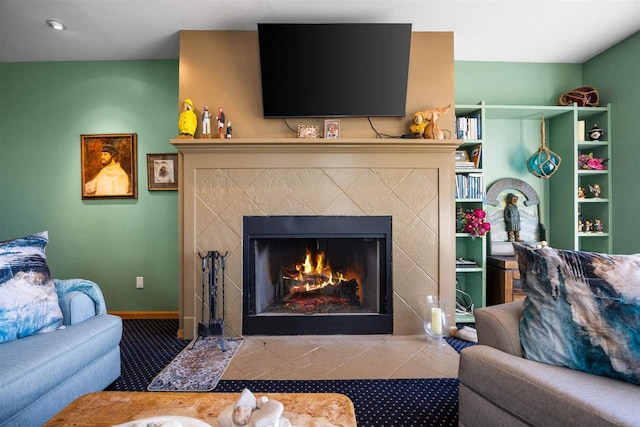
(198, 367)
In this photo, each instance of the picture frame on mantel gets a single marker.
(332, 129)
(162, 171)
(109, 166)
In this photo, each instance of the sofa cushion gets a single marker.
(28, 298)
(539, 394)
(581, 310)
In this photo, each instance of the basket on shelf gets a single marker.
(584, 96)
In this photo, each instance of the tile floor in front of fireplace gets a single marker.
(314, 357)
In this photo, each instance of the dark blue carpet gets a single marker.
(458, 344)
(149, 345)
(384, 402)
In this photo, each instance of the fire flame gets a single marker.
(310, 275)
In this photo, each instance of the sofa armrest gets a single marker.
(498, 326)
(91, 289)
(76, 307)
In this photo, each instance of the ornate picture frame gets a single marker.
(109, 166)
(308, 131)
(162, 171)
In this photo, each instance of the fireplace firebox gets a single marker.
(317, 275)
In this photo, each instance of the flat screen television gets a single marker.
(334, 70)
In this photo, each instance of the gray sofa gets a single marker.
(498, 387)
(41, 374)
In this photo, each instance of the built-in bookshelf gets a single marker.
(470, 195)
(510, 132)
(591, 188)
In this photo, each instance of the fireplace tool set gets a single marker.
(213, 265)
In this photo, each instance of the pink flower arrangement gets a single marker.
(587, 161)
(473, 222)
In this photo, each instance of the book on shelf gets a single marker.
(465, 263)
(469, 127)
(469, 186)
(465, 165)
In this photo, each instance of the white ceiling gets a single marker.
(560, 31)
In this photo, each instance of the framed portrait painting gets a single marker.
(162, 171)
(109, 166)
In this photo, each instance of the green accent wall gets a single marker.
(616, 75)
(514, 83)
(45, 108)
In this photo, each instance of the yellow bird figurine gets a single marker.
(188, 121)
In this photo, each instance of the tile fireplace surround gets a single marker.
(411, 180)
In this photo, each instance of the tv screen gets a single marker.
(334, 70)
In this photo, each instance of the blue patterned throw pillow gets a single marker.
(582, 310)
(28, 299)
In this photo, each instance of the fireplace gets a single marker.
(317, 275)
(408, 180)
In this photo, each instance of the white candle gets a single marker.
(436, 320)
(580, 130)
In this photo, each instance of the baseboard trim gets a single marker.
(146, 314)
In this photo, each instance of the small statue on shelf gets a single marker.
(418, 124)
(206, 123)
(187, 121)
(580, 225)
(512, 218)
(596, 133)
(229, 130)
(597, 226)
(595, 190)
(220, 119)
(580, 192)
(586, 227)
(424, 123)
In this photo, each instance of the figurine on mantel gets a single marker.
(187, 121)
(229, 130)
(221, 119)
(424, 123)
(206, 123)
(251, 412)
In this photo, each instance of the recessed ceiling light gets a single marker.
(56, 25)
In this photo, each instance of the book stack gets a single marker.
(465, 165)
(469, 186)
(469, 127)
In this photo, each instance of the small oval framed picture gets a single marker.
(332, 128)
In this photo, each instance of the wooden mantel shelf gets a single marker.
(292, 145)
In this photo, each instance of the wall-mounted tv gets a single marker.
(334, 70)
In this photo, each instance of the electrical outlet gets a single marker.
(139, 282)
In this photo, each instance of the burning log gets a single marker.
(346, 290)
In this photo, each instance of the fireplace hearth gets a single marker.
(317, 275)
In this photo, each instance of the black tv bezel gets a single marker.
(401, 111)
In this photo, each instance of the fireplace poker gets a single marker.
(201, 325)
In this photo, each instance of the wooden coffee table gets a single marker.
(107, 408)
